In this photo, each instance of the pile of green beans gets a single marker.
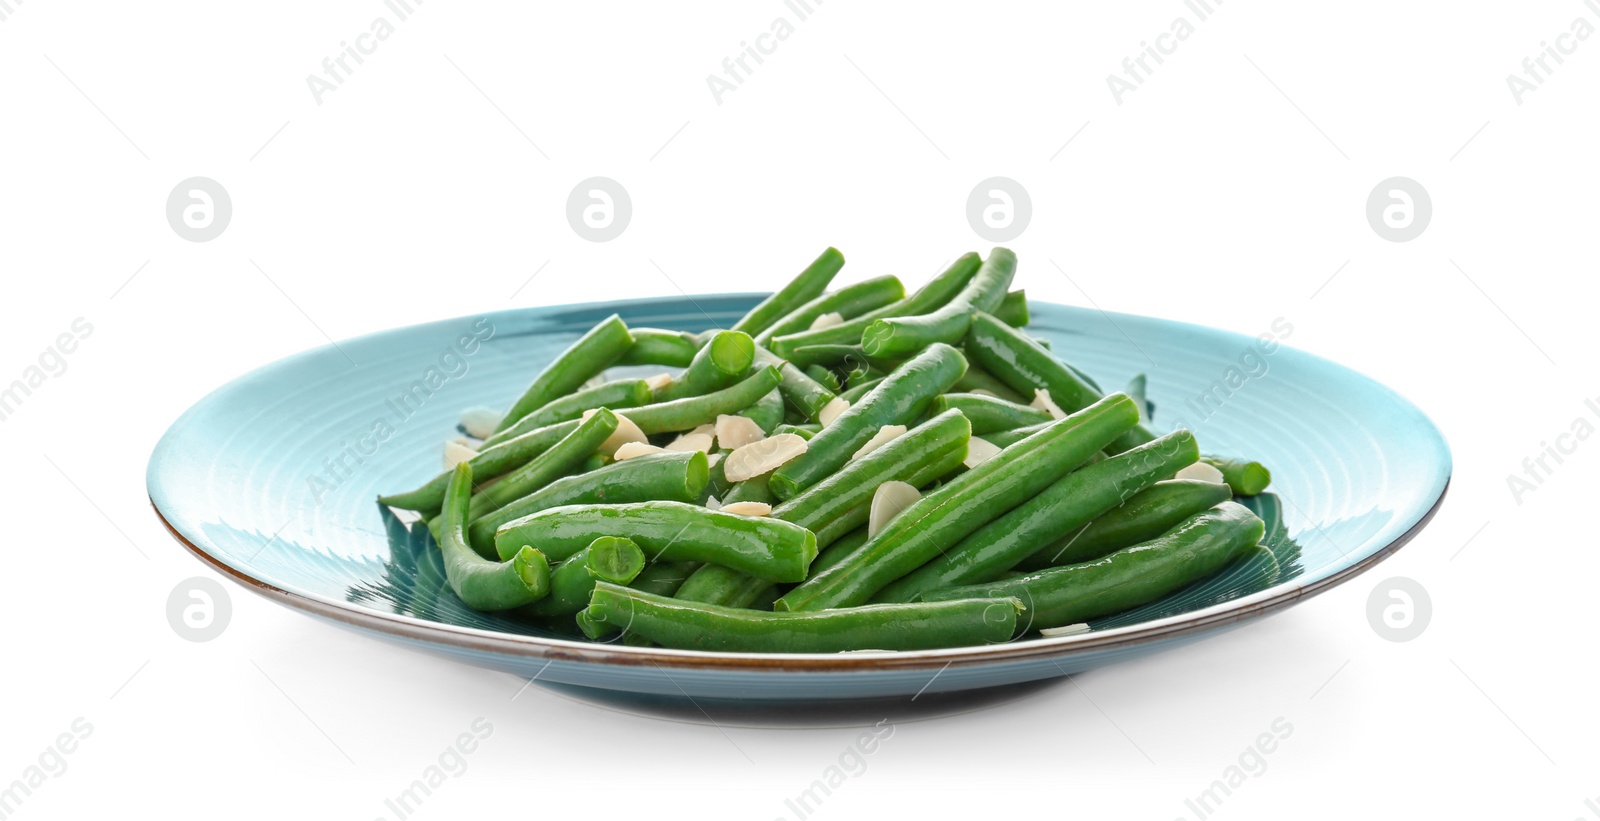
(606, 505)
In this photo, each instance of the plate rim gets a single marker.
(425, 632)
(1207, 619)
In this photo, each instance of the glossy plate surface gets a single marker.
(272, 478)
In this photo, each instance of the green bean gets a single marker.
(595, 351)
(1013, 310)
(669, 477)
(801, 392)
(1021, 363)
(858, 516)
(664, 578)
(977, 379)
(1146, 515)
(725, 357)
(1245, 477)
(989, 414)
(806, 286)
(848, 302)
(945, 516)
(715, 584)
(549, 466)
(859, 387)
(824, 377)
(617, 395)
(767, 412)
(493, 461)
(1070, 502)
(607, 559)
(858, 479)
(938, 291)
(1006, 438)
(894, 336)
(653, 346)
(804, 431)
(480, 583)
(694, 411)
(849, 357)
(696, 626)
(753, 489)
(834, 553)
(774, 550)
(1195, 549)
(899, 399)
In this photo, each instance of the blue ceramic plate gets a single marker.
(272, 479)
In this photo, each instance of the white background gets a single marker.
(1227, 190)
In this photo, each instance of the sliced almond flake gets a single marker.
(761, 457)
(456, 452)
(737, 431)
(1203, 472)
(629, 450)
(827, 320)
(831, 411)
(480, 423)
(709, 429)
(690, 441)
(1042, 401)
(748, 508)
(885, 435)
(659, 381)
(887, 502)
(626, 432)
(1065, 630)
(713, 459)
(712, 503)
(979, 451)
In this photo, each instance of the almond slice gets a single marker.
(690, 441)
(761, 457)
(456, 452)
(1042, 401)
(748, 508)
(712, 503)
(480, 423)
(827, 320)
(626, 432)
(885, 435)
(979, 451)
(629, 450)
(1202, 471)
(659, 381)
(832, 410)
(1065, 630)
(887, 501)
(737, 431)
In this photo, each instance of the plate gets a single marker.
(271, 480)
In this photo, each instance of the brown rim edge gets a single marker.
(486, 641)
